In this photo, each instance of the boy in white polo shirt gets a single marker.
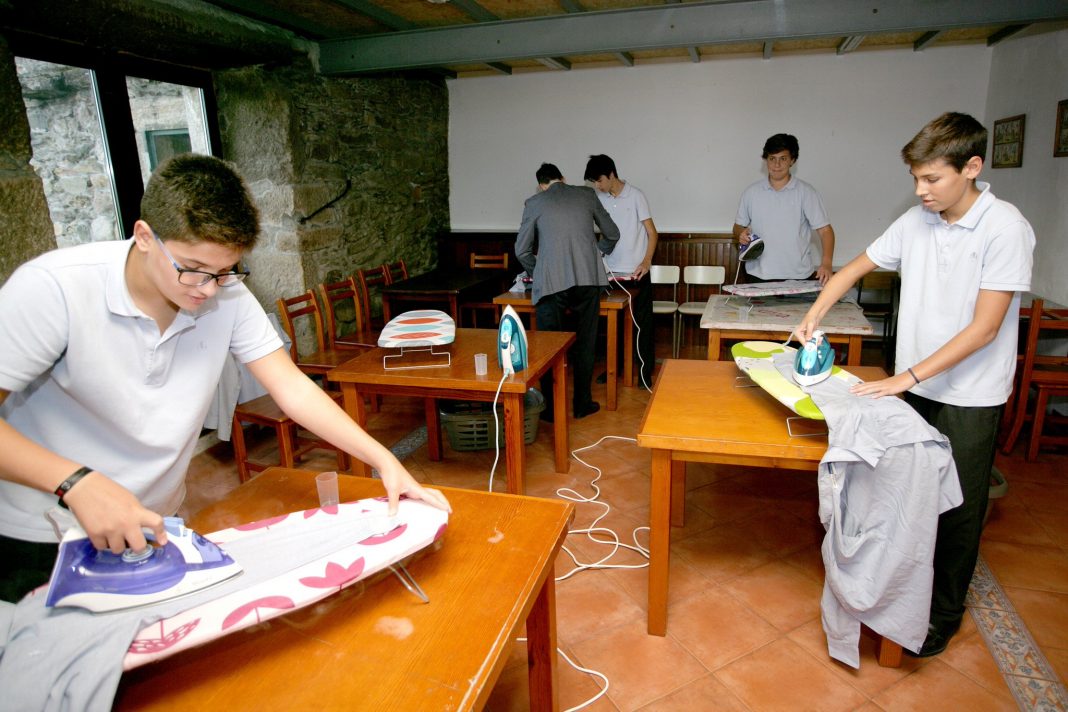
(964, 257)
(633, 256)
(112, 352)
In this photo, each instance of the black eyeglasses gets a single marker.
(198, 278)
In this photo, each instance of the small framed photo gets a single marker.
(1008, 142)
(1060, 141)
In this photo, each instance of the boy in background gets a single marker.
(112, 352)
(634, 252)
(964, 257)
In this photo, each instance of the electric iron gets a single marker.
(751, 250)
(511, 342)
(813, 362)
(100, 581)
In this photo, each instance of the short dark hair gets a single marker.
(781, 142)
(194, 198)
(598, 166)
(953, 136)
(547, 173)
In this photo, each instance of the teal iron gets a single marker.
(511, 342)
(814, 361)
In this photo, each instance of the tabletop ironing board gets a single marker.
(418, 331)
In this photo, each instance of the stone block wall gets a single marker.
(25, 228)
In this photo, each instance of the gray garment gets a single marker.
(68, 659)
(558, 224)
(885, 478)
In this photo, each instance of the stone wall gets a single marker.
(299, 138)
(25, 228)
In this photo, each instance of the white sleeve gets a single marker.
(34, 326)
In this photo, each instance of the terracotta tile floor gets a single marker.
(744, 631)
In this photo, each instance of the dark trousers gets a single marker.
(641, 302)
(972, 433)
(584, 303)
(24, 565)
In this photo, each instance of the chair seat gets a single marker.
(319, 362)
(665, 307)
(695, 308)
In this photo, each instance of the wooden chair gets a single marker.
(291, 444)
(668, 274)
(711, 276)
(395, 272)
(370, 279)
(473, 307)
(331, 295)
(1046, 375)
(877, 296)
(320, 361)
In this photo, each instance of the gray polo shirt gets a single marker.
(784, 219)
(91, 377)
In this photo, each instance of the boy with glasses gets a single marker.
(112, 352)
(783, 211)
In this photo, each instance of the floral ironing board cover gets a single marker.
(420, 327)
(302, 586)
(754, 359)
(774, 289)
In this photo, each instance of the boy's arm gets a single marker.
(108, 512)
(990, 309)
(302, 400)
(825, 270)
(838, 285)
(647, 261)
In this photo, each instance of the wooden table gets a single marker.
(611, 306)
(775, 318)
(364, 375)
(378, 647)
(435, 287)
(746, 427)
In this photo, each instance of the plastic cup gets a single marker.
(481, 365)
(326, 483)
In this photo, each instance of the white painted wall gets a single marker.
(690, 135)
(1029, 76)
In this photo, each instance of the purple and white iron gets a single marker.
(100, 581)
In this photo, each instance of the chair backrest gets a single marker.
(708, 275)
(1041, 320)
(395, 271)
(368, 279)
(293, 308)
(488, 261)
(666, 274)
(330, 295)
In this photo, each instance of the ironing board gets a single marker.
(418, 331)
(774, 289)
(415, 527)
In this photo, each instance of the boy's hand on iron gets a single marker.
(745, 236)
(111, 515)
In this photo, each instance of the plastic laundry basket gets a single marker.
(469, 424)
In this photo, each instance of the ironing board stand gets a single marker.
(441, 363)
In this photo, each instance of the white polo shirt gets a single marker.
(628, 210)
(91, 378)
(943, 267)
(784, 219)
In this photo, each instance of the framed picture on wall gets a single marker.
(1008, 142)
(1060, 141)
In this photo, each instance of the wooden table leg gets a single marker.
(713, 344)
(433, 429)
(855, 344)
(888, 653)
(561, 446)
(678, 493)
(353, 402)
(630, 376)
(659, 541)
(541, 649)
(514, 441)
(613, 359)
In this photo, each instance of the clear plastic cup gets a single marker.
(326, 483)
(481, 364)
